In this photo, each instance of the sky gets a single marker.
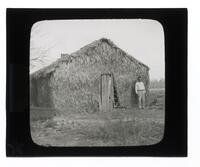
(141, 38)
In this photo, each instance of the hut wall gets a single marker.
(40, 92)
(75, 83)
(33, 93)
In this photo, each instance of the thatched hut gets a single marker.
(74, 83)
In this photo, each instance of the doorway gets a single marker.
(108, 93)
(105, 92)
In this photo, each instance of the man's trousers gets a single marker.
(141, 99)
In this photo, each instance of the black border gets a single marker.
(19, 23)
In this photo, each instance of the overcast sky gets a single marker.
(142, 39)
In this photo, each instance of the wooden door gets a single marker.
(106, 89)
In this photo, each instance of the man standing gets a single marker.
(140, 91)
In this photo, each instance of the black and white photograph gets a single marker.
(97, 82)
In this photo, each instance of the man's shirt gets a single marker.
(139, 86)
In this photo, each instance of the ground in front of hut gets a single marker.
(121, 127)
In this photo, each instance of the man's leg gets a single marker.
(139, 100)
(143, 99)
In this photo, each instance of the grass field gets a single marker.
(121, 127)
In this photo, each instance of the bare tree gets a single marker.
(39, 54)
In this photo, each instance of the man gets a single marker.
(140, 91)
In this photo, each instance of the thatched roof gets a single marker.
(68, 58)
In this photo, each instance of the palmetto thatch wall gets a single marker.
(71, 84)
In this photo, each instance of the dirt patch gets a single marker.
(121, 127)
(105, 129)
